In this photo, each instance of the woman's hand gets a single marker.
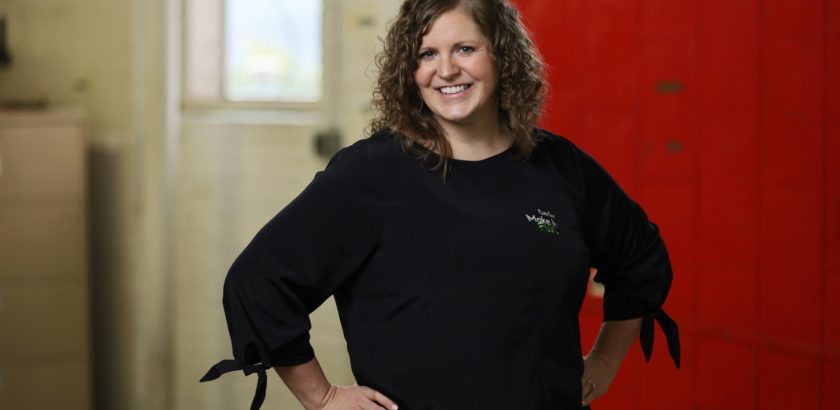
(308, 383)
(353, 398)
(601, 364)
(598, 373)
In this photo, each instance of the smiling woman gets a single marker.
(457, 241)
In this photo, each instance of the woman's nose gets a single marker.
(447, 68)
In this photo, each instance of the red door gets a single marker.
(722, 118)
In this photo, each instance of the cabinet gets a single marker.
(45, 331)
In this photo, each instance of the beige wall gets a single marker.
(74, 52)
(82, 53)
(106, 56)
(175, 195)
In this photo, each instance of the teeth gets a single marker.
(454, 89)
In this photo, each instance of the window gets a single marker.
(259, 51)
(273, 50)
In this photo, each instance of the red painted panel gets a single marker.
(831, 379)
(614, 146)
(789, 381)
(727, 301)
(727, 226)
(787, 18)
(727, 96)
(611, 55)
(557, 27)
(665, 20)
(667, 132)
(726, 375)
(791, 86)
(832, 157)
(667, 75)
(661, 385)
(791, 174)
(728, 195)
(667, 152)
(610, 87)
(590, 323)
(727, 60)
(672, 208)
(790, 277)
(831, 311)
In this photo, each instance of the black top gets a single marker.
(460, 292)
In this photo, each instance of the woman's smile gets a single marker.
(454, 90)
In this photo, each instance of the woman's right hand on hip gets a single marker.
(355, 398)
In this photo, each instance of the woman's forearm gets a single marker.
(601, 365)
(614, 340)
(307, 382)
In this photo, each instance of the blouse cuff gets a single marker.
(295, 352)
(226, 366)
(669, 327)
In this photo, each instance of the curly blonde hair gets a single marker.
(396, 97)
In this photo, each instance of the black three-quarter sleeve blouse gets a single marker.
(460, 292)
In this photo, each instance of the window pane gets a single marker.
(273, 50)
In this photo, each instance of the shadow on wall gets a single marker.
(111, 287)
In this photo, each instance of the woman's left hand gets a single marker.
(598, 373)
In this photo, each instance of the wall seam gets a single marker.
(824, 202)
(759, 208)
(698, 168)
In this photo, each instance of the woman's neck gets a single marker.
(477, 141)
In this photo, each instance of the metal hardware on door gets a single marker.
(366, 21)
(327, 143)
(674, 146)
(669, 87)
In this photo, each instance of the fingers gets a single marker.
(588, 391)
(585, 385)
(379, 399)
(358, 397)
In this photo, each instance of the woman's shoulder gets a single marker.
(554, 143)
(570, 161)
(558, 150)
(374, 151)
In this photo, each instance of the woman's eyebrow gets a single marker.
(454, 45)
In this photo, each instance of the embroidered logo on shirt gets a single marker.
(545, 221)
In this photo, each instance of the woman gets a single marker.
(457, 241)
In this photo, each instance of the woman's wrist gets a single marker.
(317, 398)
(610, 362)
(614, 339)
(308, 383)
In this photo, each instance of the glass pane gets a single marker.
(273, 50)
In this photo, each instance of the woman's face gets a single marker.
(456, 74)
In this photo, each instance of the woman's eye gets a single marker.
(427, 55)
(466, 49)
